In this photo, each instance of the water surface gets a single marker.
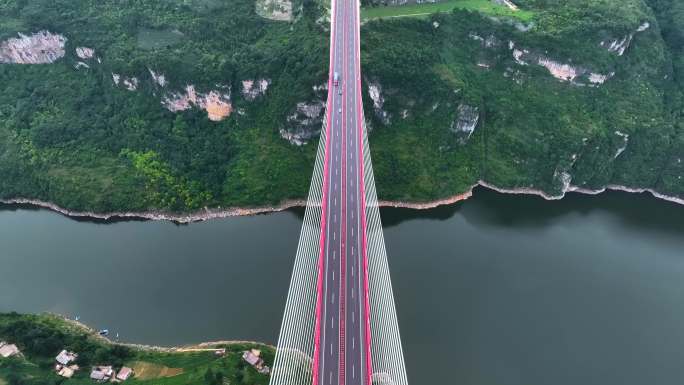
(498, 290)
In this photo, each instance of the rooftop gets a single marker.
(65, 357)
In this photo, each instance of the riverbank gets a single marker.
(198, 216)
(218, 213)
(525, 191)
(83, 328)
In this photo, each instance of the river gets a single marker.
(496, 290)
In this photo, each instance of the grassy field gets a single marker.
(148, 370)
(422, 10)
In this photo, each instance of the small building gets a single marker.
(124, 374)
(66, 371)
(253, 357)
(220, 352)
(9, 350)
(102, 373)
(65, 357)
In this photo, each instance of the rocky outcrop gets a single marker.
(595, 78)
(623, 147)
(487, 42)
(559, 70)
(518, 54)
(575, 74)
(280, 10)
(130, 84)
(466, 121)
(304, 123)
(40, 48)
(158, 78)
(216, 103)
(620, 45)
(252, 89)
(85, 53)
(375, 93)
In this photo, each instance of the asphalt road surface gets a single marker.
(342, 349)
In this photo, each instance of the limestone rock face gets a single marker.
(623, 146)
(466, 122)
(216, 103)
(40, 48)
(620, 45)
(85, 53)
(130, 84)
(158, 78)
(280, 10)
(304, 123)
(375, 93)
(574, 74)
(252, 89)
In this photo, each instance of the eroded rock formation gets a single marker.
(466, 121)
(216, 103)
(304, 123)
(252, 89)
(40, 48)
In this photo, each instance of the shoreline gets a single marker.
(209, 345)
(217, 213)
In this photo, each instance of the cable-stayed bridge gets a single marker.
(340, 325)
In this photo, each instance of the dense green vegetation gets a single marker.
(41, 337)
(533, 127)
(71, 137)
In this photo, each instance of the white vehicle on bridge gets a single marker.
(336, 79)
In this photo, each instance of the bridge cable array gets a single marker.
(295, 351)
(296, 343)
(387, 354)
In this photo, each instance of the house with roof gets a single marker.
(124, 374)
(253, 357)
(102, 373)
(65, 357)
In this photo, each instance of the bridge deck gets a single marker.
(343, 341)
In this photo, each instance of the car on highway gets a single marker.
(336, 79)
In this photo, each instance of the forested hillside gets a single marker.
(583, 97)
(176, 105)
